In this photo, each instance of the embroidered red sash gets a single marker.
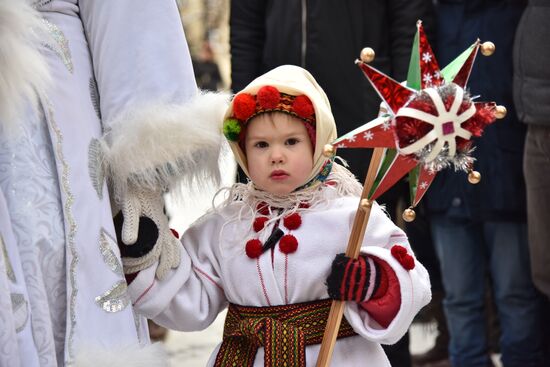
(283, 331)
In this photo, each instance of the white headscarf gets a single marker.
(294, 80)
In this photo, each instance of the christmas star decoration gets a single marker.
(430, 120)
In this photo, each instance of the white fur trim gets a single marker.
(129, 356)
(23, 69)
(159, 144)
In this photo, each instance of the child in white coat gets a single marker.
(272, 253)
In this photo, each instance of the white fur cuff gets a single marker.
(23, 69)
(158, 145)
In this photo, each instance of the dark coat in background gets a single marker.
(532, 70)
(325, 37)
(501, 193)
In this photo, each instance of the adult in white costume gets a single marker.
(82, 85)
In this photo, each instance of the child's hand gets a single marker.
(352, 280)
(145, 234)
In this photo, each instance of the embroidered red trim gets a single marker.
(268, 98)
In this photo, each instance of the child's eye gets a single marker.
(261, 144)
(292, 141)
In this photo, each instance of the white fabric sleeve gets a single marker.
(192, 295)
(139, 53)
(157, 128)
(380, 236)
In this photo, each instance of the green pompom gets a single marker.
(231, 129)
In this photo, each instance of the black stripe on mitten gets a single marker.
(350, 279)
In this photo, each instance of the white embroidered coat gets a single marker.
(63, 297)
(215, 270)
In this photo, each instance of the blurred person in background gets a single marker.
(532, 101)
(419, 232)
(480, 230)
(206, 27)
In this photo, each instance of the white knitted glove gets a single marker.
(147, 203)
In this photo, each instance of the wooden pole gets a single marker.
(354, 246)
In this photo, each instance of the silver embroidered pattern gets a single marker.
(94, 96)
(61, 45)
(96, 166)
(115, 299)
(137, 322)
(9, 269)
(109, 256)
(20, 311)
(71, 233)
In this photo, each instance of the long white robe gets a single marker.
(215, 270)
(59, 264)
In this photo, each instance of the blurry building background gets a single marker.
(206, 25)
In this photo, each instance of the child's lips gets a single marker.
(278, 175)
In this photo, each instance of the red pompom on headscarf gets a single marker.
(259, 223)
(244, 106)
(401, 255)
(288, 244)
(302, 106)
(268, 97)
(254, 248)
(292, 221)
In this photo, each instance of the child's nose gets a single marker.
(277, 156)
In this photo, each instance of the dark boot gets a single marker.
(157, 333)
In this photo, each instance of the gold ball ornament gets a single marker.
(329, 150)
(409, 215)
(365, 204)
(487, 48)
(367, 55)
(500, 112)
(474, 177)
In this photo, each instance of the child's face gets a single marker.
(279, 152)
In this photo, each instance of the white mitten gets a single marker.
(139, 203)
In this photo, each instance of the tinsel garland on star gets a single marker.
(429, 120)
